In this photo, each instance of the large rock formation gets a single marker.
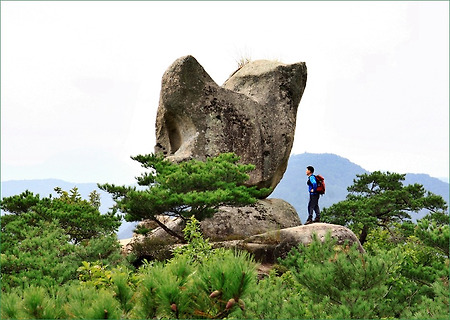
(253, 115)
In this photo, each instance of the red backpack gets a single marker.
(320, 184)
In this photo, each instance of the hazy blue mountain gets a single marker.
(437, 186)
(339, 173)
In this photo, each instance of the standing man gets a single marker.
(313, 204)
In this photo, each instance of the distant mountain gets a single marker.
(437, 186)
(339, 174)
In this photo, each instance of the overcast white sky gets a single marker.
(80, 81)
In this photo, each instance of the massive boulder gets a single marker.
(253, 115)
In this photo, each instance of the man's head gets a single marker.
(309, 170)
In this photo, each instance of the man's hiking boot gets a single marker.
(309, 221)
(316, 220)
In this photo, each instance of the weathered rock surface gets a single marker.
(231, 223)
(242, 222)
(253, 115)
(271, 245)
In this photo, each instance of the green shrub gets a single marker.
(123, 291)
(182, 287)
(91, 303)
(37, 304)
(45, 240)
(146, 301)
(275, 297)
(431, 308)
(352, 284)
(43, 258)
(11, 305)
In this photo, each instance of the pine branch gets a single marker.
(169, 231)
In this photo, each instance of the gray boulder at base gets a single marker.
(241, 222)
(231, 223)
(253, 115)
(270, 246)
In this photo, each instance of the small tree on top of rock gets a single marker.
(191, 188)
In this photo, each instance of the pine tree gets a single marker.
(381, 199)
(192, 188)
(345, 282)
(434, 231)
(81, 219)
(45, 240)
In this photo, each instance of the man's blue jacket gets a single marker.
(312, 183)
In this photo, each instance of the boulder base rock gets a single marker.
(270, 246)
(230, 223)
(253, 115)
(241, 222)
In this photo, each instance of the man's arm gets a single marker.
(314, 183)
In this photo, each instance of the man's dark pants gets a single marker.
(313, 205)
